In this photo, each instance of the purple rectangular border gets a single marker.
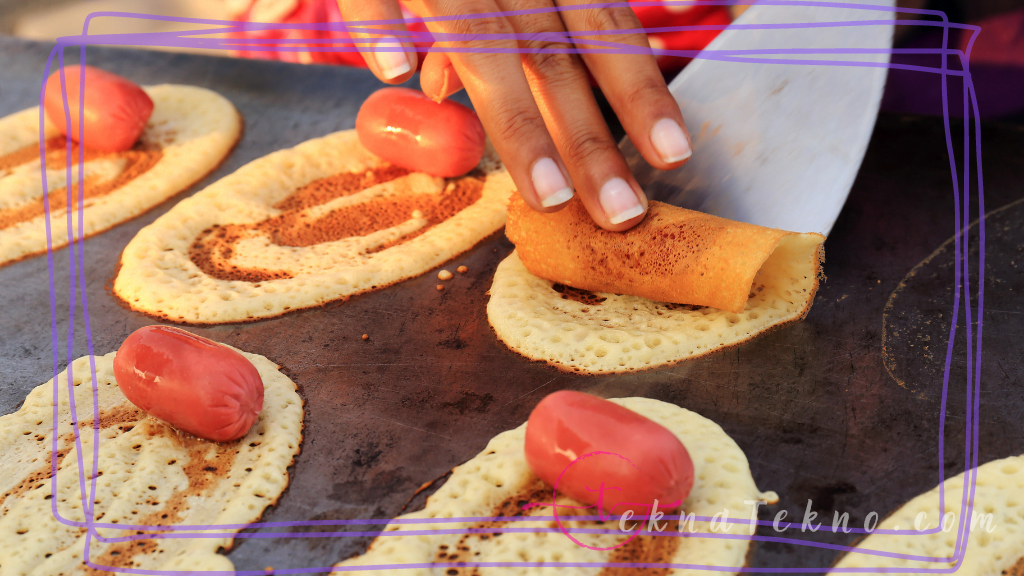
(176, 39)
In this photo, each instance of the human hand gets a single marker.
(538, 108)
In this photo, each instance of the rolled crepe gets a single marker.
(674, 255)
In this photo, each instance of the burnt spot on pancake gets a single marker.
(124, 417)
(138, 160)
(464, 551)
(1016, 570)
(214, 248)
(35, 479)
(208, 464)
(582, 296)
(642, 549)
(687, 307)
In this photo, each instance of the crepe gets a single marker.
(149, 475)
(303, 227)
(498, 481)
(189, 134)
(737, 281)
(995, 543)
(674, 255)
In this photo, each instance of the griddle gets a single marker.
(841, 409)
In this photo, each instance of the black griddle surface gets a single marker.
(841, 409)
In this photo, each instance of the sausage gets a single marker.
(408, 129)
(647, 462)
(194, 384)
(116, 109)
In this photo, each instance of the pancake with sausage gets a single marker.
(190, 132)
(995, 539)
(303, 227)
(498, 482)
(716, 283)
(149, 476)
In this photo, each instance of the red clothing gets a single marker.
(997, 71)
(313, 11)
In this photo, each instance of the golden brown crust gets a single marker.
(605, 333)
(568, 369)
(199, 178)
(674, 255)
(160, 277)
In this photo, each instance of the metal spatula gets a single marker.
(777, 145)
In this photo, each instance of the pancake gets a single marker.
(600, 333)
(498, 482)
(673, 255)
(189, 134)
(303, 227)
(579, 297)
(149, 475)
(995, 543)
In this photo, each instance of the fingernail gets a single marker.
(550, 184)
(444, 85)
(392, 64)
(619, 201)
(670, 141)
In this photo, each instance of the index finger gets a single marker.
(390, 59)
(491, 71)
(632, 82)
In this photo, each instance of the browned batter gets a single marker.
(578, 295)
(35, 479)
(641, 549)
(143, 156)
(1016, 570)
(214, 247)
(207, 462)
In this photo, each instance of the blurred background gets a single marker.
(997, 58)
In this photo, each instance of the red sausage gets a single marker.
(647, 462)
(192, 383)
(116, 110)
(410, 130)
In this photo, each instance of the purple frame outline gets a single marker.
(963, 227)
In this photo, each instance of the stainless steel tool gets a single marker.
(777, 145)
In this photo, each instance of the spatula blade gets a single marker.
(777, 145)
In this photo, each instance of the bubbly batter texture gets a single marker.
(303, 227)
(190, 132)
(498, 482)
(995, 528)
(149, 475)
(599, 333)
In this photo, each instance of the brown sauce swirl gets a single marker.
(140, 159)
(213, 248)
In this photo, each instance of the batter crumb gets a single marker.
(366, 336)
(440, 287)
(462, 269)
(444, 275)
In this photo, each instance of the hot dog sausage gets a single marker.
(410, 130)
(192, 383)
(646, 460)
(116, 110)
